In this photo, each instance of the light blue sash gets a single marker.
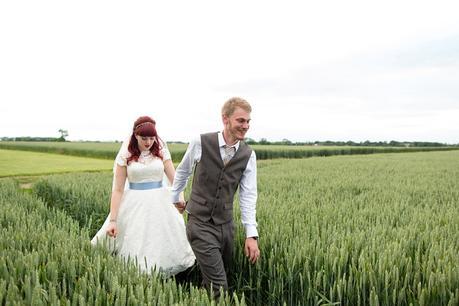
(146, 185)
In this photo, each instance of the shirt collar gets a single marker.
(221, 141)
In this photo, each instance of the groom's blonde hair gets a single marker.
(230, 106)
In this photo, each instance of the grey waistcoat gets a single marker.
(214, 184)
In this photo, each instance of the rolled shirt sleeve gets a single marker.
(185, 168)
(248, 197)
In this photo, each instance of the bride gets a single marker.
(143, 224)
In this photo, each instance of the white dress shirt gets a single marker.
(247, 186)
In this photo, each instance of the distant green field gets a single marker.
(18, 163)
(78, 145)
(105, 150)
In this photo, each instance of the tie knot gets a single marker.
(229, 149)
(229, 153)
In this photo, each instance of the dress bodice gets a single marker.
(146, 169)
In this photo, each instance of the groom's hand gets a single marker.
(180, 205)
(251, 249)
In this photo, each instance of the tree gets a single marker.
(250, 141)
(263, 141)
(64, 133)
(285, 141)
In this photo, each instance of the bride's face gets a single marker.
(145, 142)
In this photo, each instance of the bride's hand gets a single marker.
(180, 206)
(112, 229)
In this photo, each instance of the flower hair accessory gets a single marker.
(143, 124)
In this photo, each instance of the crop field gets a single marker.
(380, 229)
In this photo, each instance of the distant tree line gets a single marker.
(392, 143)
(28, 138)
(264, 141)
(64, 133)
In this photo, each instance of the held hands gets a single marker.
(180, 206)
(112, 229)
(251, 249)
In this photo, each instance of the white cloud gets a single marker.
(92, 67)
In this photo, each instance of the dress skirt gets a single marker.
(150, 231)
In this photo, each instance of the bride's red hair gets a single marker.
(144, 126)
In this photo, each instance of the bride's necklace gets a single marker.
(145, 153)
(145, 156)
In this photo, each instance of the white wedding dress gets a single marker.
(150, 229)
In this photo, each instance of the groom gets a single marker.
(223, 162)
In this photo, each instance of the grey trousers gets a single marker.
(213, 247)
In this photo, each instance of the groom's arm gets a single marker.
(248, 201)
(248, 197)
(185, 169)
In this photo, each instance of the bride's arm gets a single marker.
(169, 170)
(117, 194)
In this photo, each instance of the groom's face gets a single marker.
(237, 124)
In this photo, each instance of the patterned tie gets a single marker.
(229, 153)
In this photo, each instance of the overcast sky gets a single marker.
(312, 70)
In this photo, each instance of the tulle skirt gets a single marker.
(150, 231)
